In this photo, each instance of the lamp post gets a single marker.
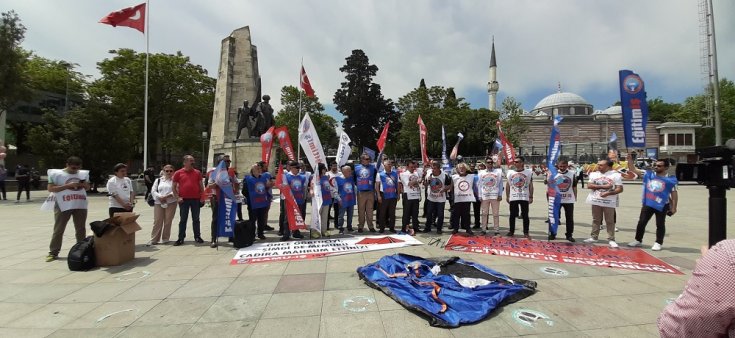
(204, 151)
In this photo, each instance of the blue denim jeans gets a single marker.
(435, 215)
(194, 205)
(350, 211)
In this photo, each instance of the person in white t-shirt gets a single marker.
(519, 194)
(605, 184)
(463, 191)
(120, 190)
(566, 181)
(490, 191)
(410, 187)
(333, 173)
(164, 208)
(439, 183)
(70, 187)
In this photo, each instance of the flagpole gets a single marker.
(298, 124)
(145, 96)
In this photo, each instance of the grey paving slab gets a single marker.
(192, 290)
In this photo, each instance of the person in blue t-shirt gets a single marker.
(298, 183)
(387, 187)
(365, 180)
(258, 198)
(346, 198)
(659, 198)
(264, 171)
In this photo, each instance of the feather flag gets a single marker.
(552, 188)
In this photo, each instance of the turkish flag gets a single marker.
(133, 17)
(508, 151)
(383, 138)
(305, 84)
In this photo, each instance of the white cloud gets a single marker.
(580, 43)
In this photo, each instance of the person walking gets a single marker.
(3, 176)
(120, 191)
(365, 181)
(519, 194)
(188, 188)
(566, 181)
(463, 189)
(149, 176)
(490, 193)
(258, 199)
(660, 198)
(23, 179)
(410, 188)
(387, 187)
(605, 185)
(69, 186)
(164, 208)
(346, 199)
(439, 184)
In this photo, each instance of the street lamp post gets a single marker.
(204, 151)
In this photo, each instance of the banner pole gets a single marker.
(298, 123)
(145, 96)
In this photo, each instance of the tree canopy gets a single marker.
(12, 60)
(324, 124)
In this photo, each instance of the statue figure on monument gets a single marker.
(243, 119)
(263, 116)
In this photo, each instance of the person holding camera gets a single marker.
(659, 198)
(120, 190)
(69, 186)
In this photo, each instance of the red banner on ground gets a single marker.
(560, 252)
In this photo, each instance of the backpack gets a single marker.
(244, 234)
(81, 256)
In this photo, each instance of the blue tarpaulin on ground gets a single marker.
(450, 291)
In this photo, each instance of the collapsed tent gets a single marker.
(450, 291)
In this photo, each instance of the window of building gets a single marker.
(661, 140)
(680, 139)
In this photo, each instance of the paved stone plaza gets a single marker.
(192, 290)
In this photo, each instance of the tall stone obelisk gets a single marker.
(237, 81)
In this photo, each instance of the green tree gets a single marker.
(360, 100)
(658, 110)
(12, 59)
(694, 110)
(181, 96)
(513, 125)
(324, 124)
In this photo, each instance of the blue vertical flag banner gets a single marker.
(226, 204)
(552, 188)
(445, 161)
(635, 109)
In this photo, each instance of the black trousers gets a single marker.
(2, 190)
(476, 211)
(410, 213)
(24, 185)
(335, 214)
(387, 213)
(148, 187)
(514, 205)
(114, 210)
(646, 214)
(258, 216)
(568, 219)
(460, 215)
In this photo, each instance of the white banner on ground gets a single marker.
(318, 248)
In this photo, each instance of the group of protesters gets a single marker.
(374, 189)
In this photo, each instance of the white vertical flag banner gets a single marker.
(344, 150)
(309, 140)
(316, 202)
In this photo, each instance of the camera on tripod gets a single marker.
(716, 167)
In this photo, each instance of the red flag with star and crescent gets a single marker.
(133, 17)
(305, 84)
(383, 138)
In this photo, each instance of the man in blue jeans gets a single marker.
(188, 188)
(439, 184)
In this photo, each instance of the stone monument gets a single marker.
(236, 124)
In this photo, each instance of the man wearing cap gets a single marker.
(365, 180)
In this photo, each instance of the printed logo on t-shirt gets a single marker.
(463, 186)
(347, 187)
(73, 180)
(435, 185)
(655, 185)
(563, 182)
(296, 185)
(518, 180)
(364, 173)
(389, 181)
(604, 181)
(489, 181)
(325, 185)
(259, 187)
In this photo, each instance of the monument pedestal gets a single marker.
(243, 154)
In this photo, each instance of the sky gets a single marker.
(577, 44)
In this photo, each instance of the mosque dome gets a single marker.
(562, 103)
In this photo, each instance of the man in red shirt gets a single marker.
(188, 188)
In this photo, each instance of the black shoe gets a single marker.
(179, 242)
(552, 237)
(476, 227)
(497, 233)
(469, 232)
(297, 234)
(359, 231)
(350, 230)
(284, 238)
(571, 239)
(546, 221)
(381, 231)
(269, 228)
(392, 231)
(341, 231)
(198, 240)
(510, 234)
(426, 230)
(439, 232)
(372, 230)
(280, 233)
(261, 236)
(455, 231)
(213, 245)
(230, 239)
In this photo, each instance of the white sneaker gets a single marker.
(613, 244)
(616, 229)
(656, 247)
(635, 244)
(590, 240)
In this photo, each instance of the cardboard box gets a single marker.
(117, 245)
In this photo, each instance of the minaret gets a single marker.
(492, 85)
